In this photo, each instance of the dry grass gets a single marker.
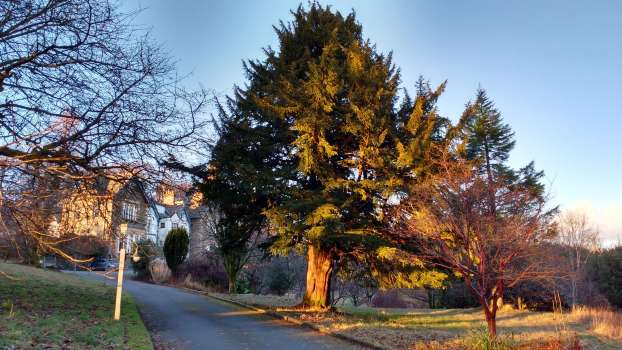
(190, 283)
(272, 301)
(601, 321)
(456, 328)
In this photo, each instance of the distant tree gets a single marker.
(605, 270)
(577, 233)
(448, 223)
(176, 248)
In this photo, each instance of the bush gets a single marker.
(455, 294)
(159, 271)
(276, 275)
(279, 282)
(388, 299)
(206, 269)
(176, 248)
(143, 252)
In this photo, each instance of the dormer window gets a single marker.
(162, 225)
(128, 211)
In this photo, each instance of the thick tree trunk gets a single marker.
(232, 284)
(319, 272)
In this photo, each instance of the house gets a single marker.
(108, 209)
(164, 218)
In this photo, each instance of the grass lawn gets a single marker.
(441, 329)
(43, 309)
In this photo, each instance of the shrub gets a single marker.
(159, 271)
(143, 252)
(389, 299)
(190, 283)
(455, 294)
(206, 269)
(176, 248)
(268, 276)
(279, 282)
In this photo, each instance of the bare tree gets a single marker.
(84, 93)
(580, 237)
(447, 223)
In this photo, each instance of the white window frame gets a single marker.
(128, 211)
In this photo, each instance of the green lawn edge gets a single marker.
(50, 309)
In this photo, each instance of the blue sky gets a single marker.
(553, 68)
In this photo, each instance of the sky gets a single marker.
(553, 68)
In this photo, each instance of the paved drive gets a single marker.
(188, 321)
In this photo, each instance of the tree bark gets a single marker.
(490, 310)
(232, 284)
(319, 272)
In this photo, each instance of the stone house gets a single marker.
(112, 209)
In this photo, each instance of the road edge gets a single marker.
(291, 320)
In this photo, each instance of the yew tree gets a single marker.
(236, 187)
(323, 104)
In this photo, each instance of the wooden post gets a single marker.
(117, 302)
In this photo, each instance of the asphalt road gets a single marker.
(185, 321)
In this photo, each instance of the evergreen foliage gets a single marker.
(316, 140)
(490, 140)
(605, 270)
(236, 187)
(176, 248)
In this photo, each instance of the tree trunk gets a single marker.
(491, 317)
(232, 284)
(491, 320)
(232, 268)
(319, 272)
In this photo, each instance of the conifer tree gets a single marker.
(234, 189)
(323, 104)
(319, 138)
(490, 140)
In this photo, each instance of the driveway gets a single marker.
(185, 321)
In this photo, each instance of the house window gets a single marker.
(175, 225)
(129, 211)
(162, 224)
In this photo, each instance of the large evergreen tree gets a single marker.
(316, 137)
(335, 94)
(324, 102)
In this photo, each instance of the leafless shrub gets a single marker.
(159, 271)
